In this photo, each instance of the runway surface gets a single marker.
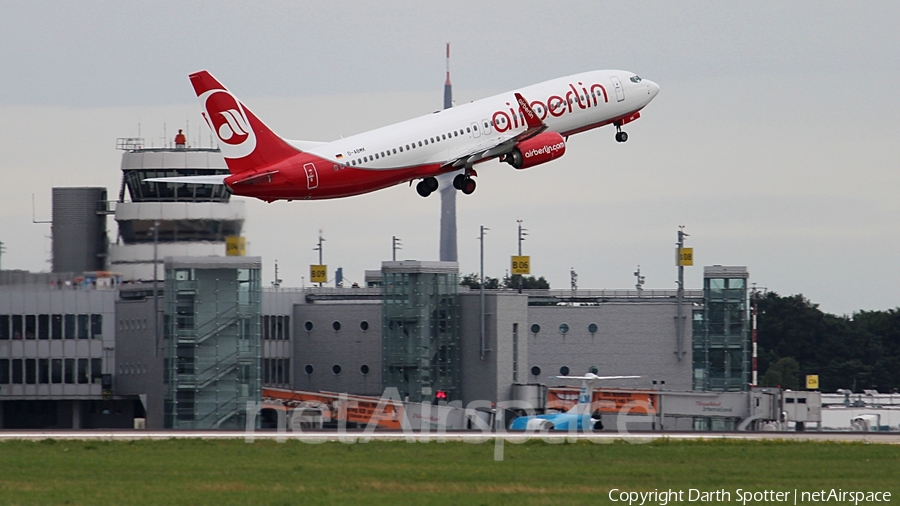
(353, 436)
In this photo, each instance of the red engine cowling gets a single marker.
(539, 149)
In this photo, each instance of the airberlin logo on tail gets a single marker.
(227, 118)
(234, 126)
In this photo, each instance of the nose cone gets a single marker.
(654, 88)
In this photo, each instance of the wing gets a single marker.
(501, 144)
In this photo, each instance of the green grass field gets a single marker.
(265, 472)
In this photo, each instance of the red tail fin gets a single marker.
(245, 141)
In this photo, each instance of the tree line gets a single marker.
(856, 352)
(473, 281)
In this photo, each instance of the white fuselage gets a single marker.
(579, 102)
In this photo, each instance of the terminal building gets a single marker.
(162, 329)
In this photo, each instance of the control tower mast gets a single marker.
(448, 192)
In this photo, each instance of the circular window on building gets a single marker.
(535, 328)
(364, 369)
(564, 328)
(308, 326)
(535, 371)
(364, 325)
(336, 369)
(592, 328)
(336, 326)
(308, 369)
(563, 371)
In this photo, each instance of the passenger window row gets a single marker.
(413, 145)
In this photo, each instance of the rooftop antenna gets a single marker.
(574, 281)
(277, 281)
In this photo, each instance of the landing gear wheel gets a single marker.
(468, 186)
(431, 184)
(422, 190)
(621, 136)
(459, 181)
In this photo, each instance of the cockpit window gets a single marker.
(635, 79)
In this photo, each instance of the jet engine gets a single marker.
(537, 150)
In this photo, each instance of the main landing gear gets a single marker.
(620, 135)
(462, 182)
(427, 186)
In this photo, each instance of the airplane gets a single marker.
(576, 418)
(524, 128)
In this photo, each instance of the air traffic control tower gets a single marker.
(166, 219)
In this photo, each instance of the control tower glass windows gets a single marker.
(141, 231)
(143, 191)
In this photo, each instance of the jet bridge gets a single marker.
(754, 410)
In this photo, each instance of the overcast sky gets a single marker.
(775, 138)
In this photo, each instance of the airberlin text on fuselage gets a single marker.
(544, 150)
(555, 106)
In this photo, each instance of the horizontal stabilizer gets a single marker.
(213, 179)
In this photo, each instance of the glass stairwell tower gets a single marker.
(212, 341)
(420, 329)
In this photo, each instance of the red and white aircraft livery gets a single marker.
(524, 128)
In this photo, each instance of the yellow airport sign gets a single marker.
(812, 381)
(521, 264)
(235, 246)
(684, 257)
(318, 273)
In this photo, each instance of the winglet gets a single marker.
(531, 119)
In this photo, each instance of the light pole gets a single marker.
(395, 245)
(155, 289)
(679, 324)
(319, 249)
(481, 239)
(522, 233)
